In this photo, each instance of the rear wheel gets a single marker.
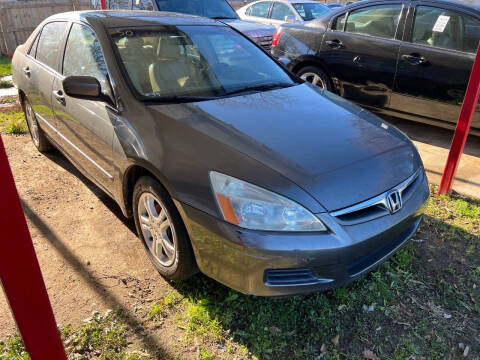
(38, 137)
(315, 76)
(162, 231)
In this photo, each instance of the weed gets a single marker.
(205, 354)
(13, 123)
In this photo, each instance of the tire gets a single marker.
(315, 76)
(162, 231)
(36, 133)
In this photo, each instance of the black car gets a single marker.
(410, 59)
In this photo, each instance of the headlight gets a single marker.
(252, 207)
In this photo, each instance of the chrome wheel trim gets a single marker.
(314, 79)
(32, 125)
(157, 228)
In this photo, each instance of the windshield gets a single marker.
(194, 61)
(215, 9)
(310, 11)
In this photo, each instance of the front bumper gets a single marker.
(278, 264)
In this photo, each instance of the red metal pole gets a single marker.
(103, 4)
(21, 277)
(463, 126)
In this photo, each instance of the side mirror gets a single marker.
(290, 19)
(83, 87)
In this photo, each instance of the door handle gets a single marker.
(60, 97)
(415, 59)
(26, 71)
(334, 44)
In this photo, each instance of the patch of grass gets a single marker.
(13, 348)
(4, 84)
(103, 337)
(9, 99)
(206, 354)
(200, 321)
(13, 123)
(158, 310)
(5, 66)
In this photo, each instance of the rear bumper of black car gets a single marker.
(279, 264)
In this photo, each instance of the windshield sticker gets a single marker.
(441, 23)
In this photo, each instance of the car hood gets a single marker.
(250, 28)
(337, 152)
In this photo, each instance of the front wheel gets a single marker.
(315, 76)
(162, 231)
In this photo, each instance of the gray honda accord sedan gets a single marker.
(228, 163)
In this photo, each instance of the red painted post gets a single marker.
(21, 277)
(463, 126)
(103, 4)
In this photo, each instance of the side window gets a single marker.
(280, 11)
(339, 22)
(260, 9)
(379, 21)
(445, 29)
(142, 5)
(33, 48)
(83, 55)
(49, 43)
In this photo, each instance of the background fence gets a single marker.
(19, 18)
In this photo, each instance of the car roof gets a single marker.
(127, 18)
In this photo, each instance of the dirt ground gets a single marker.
(89, 254)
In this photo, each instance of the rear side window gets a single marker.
(280, 11)
(260, 9)
(83, 55)
(49, 43)
(445, 29)
(379, 21)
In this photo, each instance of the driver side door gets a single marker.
(85, 126)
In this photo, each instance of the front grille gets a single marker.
(292, 277)
(377, 206)
(264, 41)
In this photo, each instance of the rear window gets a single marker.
(207, 8)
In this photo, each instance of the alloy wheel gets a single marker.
(314, 79)
(32, 124)
(157, 228)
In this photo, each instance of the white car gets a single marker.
(278, 12)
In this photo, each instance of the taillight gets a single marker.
(276, 37)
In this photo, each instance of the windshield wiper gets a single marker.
(223, 18)
(178, 99)
(263, 87)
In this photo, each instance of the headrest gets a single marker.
(170, 46)
(134, 43)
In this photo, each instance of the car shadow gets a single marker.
(59, 159)
(147, 338)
